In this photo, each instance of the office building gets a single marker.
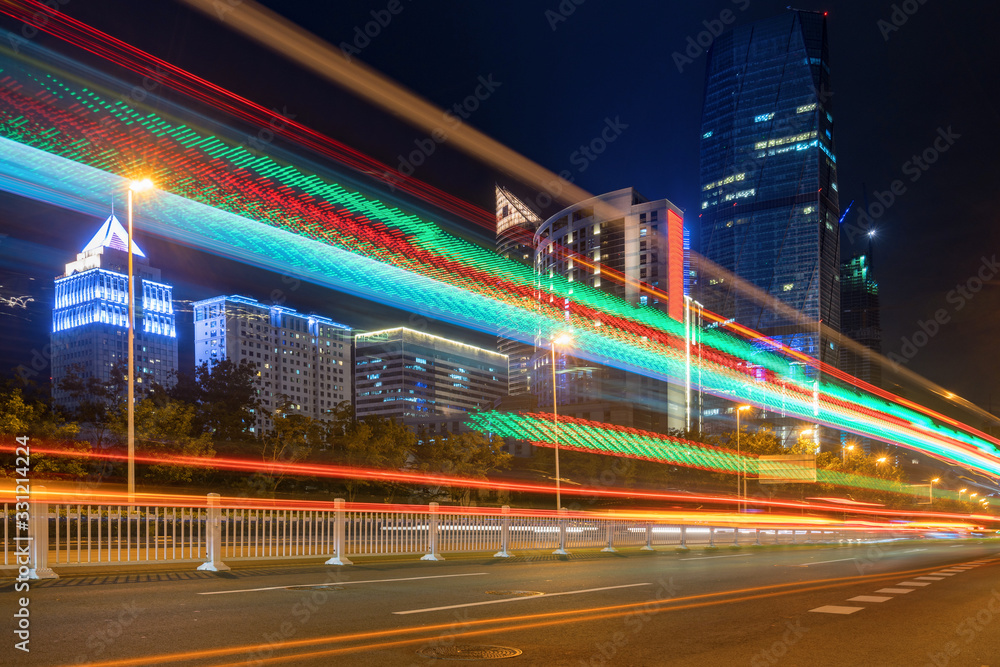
(516, 225)
(769, 211)
(861, 322)
(303, 361)
(628, 246)
(425, 381)
(769, 206)
(90, 317)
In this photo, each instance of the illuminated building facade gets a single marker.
(303, 361)
(516, 225)
(769, 211)
(769, 205)
(424, 381)
(861, 322)
(641, 241)
(90, 317)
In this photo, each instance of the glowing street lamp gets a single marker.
(930, 489)
(882, 459)
(562, 340)
(845, 449)
(134, 186)
(741, 478)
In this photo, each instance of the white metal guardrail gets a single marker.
(81, 535)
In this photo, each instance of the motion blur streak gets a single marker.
(221, 196)
(423, 479)
(518, 622)
(298, 45)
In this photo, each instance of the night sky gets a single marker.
(560, 81)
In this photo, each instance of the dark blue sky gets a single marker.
(612, 60)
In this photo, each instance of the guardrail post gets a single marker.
(432, 534)
(793, 536)
(37, 539)
(649, 538)
(339, 532)
(757, 536)
(711, 537)
(213, 537)
(561, 551)
(609, 533)
(504, 533)
(736, 536)
(684, 537)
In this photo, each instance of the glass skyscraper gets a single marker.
(769, 209)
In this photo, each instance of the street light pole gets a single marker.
(561, 339)
(130, 396)
(930, 490)
(134, 186)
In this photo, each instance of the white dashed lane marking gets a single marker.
(914, 583)
(833, 609)
(870, 598)
(928, 578)
(944, 574)
(894, 591)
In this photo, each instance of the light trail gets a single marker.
(947, 520)
(400, 259)
(516, 622)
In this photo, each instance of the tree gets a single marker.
(371, 442)
(164, 428)
(292, 439)
(225, 398)
(470, 455)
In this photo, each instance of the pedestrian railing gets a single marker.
(71, 535)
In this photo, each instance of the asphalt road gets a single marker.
(910, 604)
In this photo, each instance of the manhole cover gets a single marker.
(468, 652)
(515, 594)
(317, 587)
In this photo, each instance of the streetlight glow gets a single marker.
(141, 185)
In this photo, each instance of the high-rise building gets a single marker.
(769, 206)
(303, 361)
(642, 242)
(516, 225)
(425, 381)
(90, 317)
(861, 322)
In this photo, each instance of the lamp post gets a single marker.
(741, 478)
(134, 186)
(930, 489)
(845, 449)
(561, 339)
